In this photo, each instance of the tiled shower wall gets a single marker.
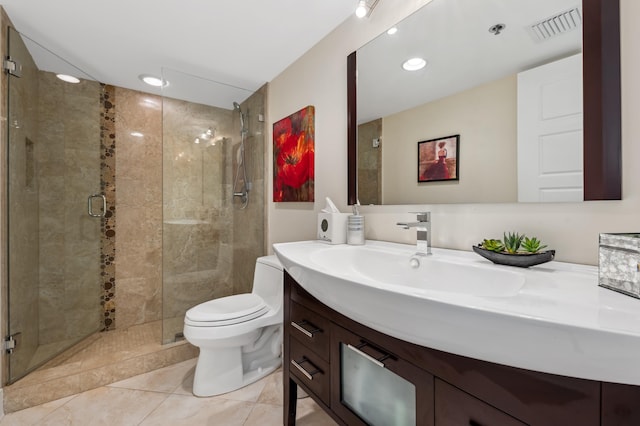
(249, 224)
(176, 221)
(68, 170)
(138, 132)
(197, 228)
(210, 245)
(370, 163)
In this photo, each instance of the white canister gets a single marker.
(355, 229)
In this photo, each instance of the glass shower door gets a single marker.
(54, 227)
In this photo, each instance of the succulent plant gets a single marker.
(492, 245)
(512, 242)
(532, 245)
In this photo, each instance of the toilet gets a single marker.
(239, 336)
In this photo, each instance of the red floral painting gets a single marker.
(293, 156)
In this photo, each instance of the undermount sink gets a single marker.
(388, 266)
(551, 318)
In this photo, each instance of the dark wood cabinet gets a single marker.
(389, 365)
(449, 390)
(456, 407)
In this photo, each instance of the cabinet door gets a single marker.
(457, 408)
(620, 405)
(371, 385)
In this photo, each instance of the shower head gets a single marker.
(236, 107)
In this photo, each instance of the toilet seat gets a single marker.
(226, 311)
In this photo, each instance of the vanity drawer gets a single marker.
(455, 407)
(310, 370)
(311, 329)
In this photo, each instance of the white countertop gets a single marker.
(551, 318)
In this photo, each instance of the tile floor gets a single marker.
(98, 360)
(163, 397)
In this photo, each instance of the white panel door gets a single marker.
(550, 128)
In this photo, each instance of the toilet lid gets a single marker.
(228, 310)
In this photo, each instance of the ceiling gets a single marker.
(239, 43)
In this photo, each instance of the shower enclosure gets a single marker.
(54, 244)
(120, 206)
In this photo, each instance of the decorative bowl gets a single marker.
(522, 260)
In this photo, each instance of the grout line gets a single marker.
(41, 419)
(155, 409)
(244, 422)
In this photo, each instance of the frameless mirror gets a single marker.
(507, 78)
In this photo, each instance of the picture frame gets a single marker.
(438, 159)
(294, 157)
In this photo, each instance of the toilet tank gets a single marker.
(267, 280)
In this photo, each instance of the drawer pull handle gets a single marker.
(308, 333)
(308, 374)
(377, 361)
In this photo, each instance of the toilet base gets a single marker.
(221, 370)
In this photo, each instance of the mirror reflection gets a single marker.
(505, 76)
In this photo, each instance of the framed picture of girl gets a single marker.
(438, 159)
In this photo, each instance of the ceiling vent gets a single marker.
(556, 25)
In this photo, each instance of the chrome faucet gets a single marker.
(423, 226)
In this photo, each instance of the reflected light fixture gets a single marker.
(209, 137)
(136, 134)
(392, 30)
(150, 103)
(414, 64)
(152, 80)
(365, 7)
(68, 78)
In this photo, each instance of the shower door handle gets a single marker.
(90, 205)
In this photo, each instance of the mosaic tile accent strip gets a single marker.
(108, 224)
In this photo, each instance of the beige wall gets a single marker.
(318, 78)
(485, 119)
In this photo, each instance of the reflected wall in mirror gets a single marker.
(478, 84)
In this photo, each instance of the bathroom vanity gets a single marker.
(361, 373)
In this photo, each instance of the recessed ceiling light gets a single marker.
(392, 30)
(154, 81)
(414, 64)
(362, 9)
(68, 78)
